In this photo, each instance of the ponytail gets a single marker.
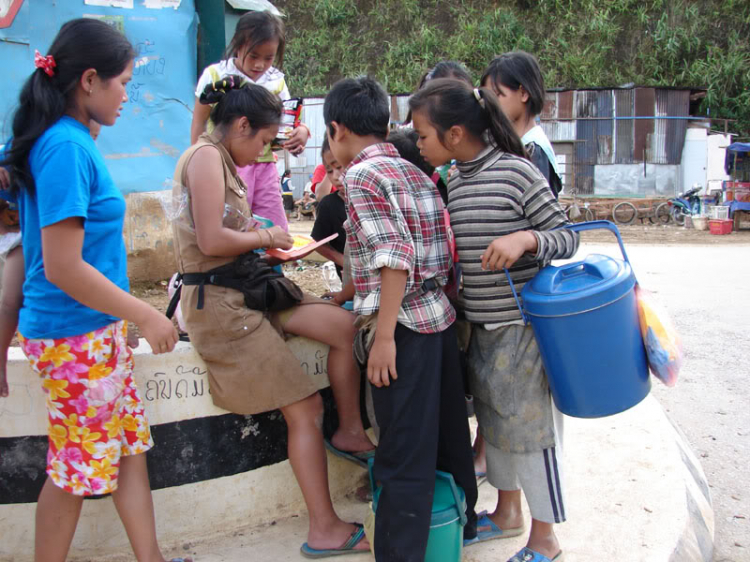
(234, 98)
(449, 102)
(48, 93)
(500, 127)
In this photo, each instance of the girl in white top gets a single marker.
(518, 83)
(258, 42)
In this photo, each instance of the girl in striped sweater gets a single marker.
(503, 213)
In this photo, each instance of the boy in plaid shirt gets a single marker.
(397, 239)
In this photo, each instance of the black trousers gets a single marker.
(423, 427)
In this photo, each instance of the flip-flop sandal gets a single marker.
(181, 560)
(347, 548)
(481, 477)
(528, 555)
(359, 459)
(495, 532)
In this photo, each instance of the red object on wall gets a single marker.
(10, 15)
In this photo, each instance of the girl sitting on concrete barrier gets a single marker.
(73, 322)
(250, 368)
(502, 213)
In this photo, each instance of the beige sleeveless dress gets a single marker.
(250, 367)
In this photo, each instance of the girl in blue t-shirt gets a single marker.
(76, 305)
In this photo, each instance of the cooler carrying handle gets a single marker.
(460, 507)
(580, 227)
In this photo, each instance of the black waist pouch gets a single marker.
(264, 288)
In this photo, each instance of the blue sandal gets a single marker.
(359, 459)
(528, 555)
(347, 548)
(494, 531)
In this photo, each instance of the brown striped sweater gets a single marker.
(494, 195)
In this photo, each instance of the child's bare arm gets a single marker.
(4, 178)
(200, 116)
(345, 294)
(10, 304)
(328, 252)
(381, 366)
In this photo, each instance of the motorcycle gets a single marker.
(688, 203)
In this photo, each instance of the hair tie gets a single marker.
(45, 63)
(215, 91)
(478, 96)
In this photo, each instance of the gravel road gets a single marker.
(706, 289)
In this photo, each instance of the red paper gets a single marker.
(299, 252)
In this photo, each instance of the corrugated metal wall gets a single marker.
(592, 126)
(587, 148)
(624, 107)
(644, 107)
(671, 132)
(598, 123)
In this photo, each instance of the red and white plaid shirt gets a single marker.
(395, 220)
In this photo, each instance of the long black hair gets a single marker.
(79, 45)
(515, 70)
(255, 28)
(451, 102)
(234, 97)
(443, 69)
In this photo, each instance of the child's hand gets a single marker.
(280, 238)
(335, 296)
(4, 179)
(382, 362)
(3, 383)
(133, 340)
(505, 251)
(297, 141)
(159, 332)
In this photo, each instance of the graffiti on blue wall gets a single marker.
(142, 148)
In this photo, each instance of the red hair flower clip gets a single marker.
(45, 63)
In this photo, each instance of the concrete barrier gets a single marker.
(148, 236)
(224, 491)
(211, 471)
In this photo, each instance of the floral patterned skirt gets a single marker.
(95, 413)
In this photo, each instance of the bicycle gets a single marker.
(575, 213)
(626, 213)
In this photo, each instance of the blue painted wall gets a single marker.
(142, 148)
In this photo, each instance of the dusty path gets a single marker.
(706, 289)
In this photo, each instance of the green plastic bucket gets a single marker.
(447, 522)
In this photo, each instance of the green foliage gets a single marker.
(579, 43)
